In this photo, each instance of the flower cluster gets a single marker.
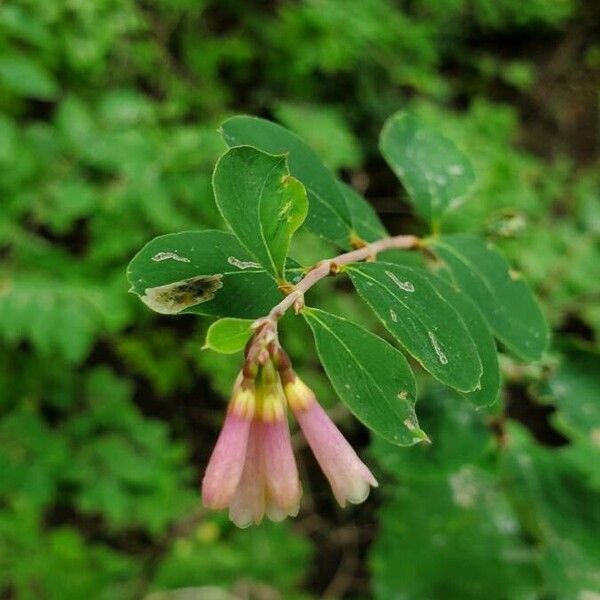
(252, 469)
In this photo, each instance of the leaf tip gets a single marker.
(418, 434)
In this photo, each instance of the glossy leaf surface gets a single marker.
(435, 173)
(421, 319)
(261, 203)
(228, 335)
(371, 377)
(504, 298)
(202, 272)
(484, 341)
(328, 214)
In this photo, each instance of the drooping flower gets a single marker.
(252, 469)
(349, 477)
(225, 466)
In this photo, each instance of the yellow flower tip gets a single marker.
(298, 394)
(243, 403)
(272, 407)
(268, 373)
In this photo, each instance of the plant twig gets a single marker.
(322, 269)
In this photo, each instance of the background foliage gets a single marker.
(108, 111)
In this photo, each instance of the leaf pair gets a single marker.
(258, 191)
(262, 204)
(503, 297)
(336, 212)
(438, 326)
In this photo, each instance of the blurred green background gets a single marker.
(108, 116)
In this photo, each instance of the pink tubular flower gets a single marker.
(349, 477)
(282, 481)
(252, 469)
(248, 503)
(225, 466)
(255, 472)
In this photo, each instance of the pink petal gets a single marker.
(275, 513)
(248, 503)
(226, 462)
(281, 473)
(349, 477)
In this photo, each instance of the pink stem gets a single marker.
(324, 268)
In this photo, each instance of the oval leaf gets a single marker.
(371, 377)
(486, 346)
(228, 335)
(261, 203)
(422, 321)
(435, 173)
(201, 272)
(505, 300)
(328, 216)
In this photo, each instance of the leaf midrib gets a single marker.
(259, 214)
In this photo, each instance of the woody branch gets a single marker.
(266, 327)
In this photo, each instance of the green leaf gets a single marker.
(505, 300)
(261, 203)
(228, 335)
(559, 510)
(210, 558)
(481, 335)
(367, 225)
(422, 320)
(458, 433)
(58, 561)
(575, 389)
(435, 173)
(202, 272)
(27, 77)
(371, 377)
(124, 466)
(59, 318)
(325, 130)
(462, 534)
(328, 215)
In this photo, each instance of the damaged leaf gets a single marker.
(202, 272)
(261, 202)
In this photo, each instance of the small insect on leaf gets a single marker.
(172, 298)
